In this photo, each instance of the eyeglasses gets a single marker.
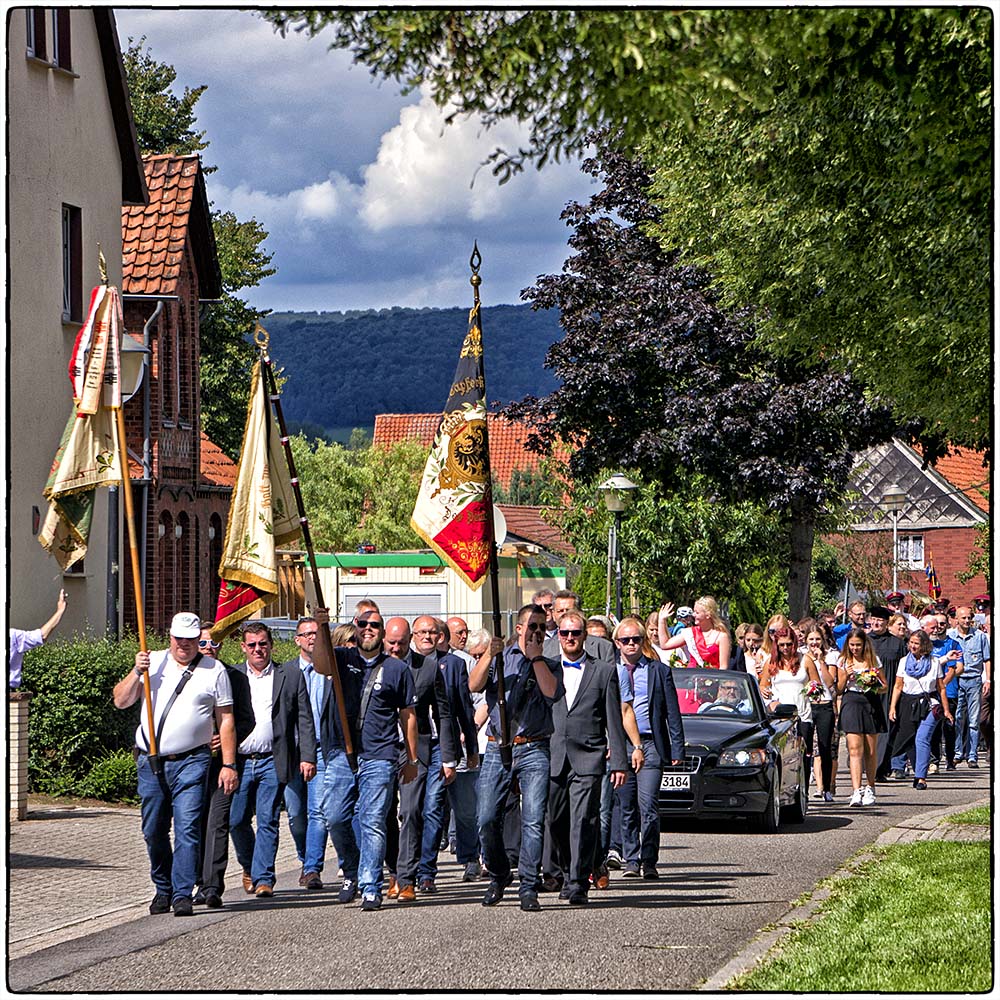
(263, 644)
(208, 642)
(629, 639)
(426, 631)
(369, 623)
(305, 635)
(571, 631)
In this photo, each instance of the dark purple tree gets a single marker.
(656, 377)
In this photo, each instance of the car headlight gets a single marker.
(742, 758)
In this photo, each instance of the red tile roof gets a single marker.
(217, 468)
(508, 440)
(966, 472)
(154, 235)
(529, 523)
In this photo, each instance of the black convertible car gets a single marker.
(741, 759)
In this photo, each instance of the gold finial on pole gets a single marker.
(261, 337)
(102, 265)
(475, 262)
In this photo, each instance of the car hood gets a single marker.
(717, 734)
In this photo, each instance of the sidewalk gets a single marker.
(75, 870)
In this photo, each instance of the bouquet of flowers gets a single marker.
(815, 692)
(868, 681)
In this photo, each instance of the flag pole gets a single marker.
(505, 748)
(323, 654)
(121, 444)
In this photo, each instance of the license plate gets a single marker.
(676, 783)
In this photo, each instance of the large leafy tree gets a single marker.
(166, 123)
(830, 167)
(657, 377)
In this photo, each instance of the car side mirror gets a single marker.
(783, 712)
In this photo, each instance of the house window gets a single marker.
(72, 264)
(61, 56)
(35, 20)
(910, 551)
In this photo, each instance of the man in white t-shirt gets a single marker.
(188, 691)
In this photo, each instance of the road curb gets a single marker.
(920, 827)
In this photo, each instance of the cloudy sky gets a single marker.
(369, 199)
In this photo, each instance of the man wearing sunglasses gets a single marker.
(379, 700)
(218, 801)
(588, 730)
(544, 600)
(532, 685)
(282, 743)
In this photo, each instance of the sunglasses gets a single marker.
(546, 606)
(253, 645)
(785, 645)
(772, 631)
(304, 635)
(371, 623)
(208, 642)
(571, 631)
(629, 639)
(532, 627)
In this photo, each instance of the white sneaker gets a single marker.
(933, 769)
(868, 797)
(819, 796)
(856, 798)
(828, 796)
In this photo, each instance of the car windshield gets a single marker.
(714, 693)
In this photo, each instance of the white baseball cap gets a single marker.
(185, 625)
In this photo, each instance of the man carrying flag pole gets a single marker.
(454, 515)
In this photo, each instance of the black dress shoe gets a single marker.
(567, 890)
(494, 891)
(650, 873)
(551, 883)
(213, 900)
(529, 902)
(578, 897)
(427, 885)
(160, 903)
(183, 907)
(199, 898)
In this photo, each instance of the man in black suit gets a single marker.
(283, 732)
(587, 721)
(217, 803)
(890, 649)
(595, 646)
(438, 751)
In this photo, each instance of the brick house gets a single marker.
(945, 505)
(183, 480)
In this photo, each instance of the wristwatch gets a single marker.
(414, 762)
(231, 766)
(636, 746)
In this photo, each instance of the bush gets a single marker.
(112, 779)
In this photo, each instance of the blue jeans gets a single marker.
(531, 768)
(259, 793)
(430, 839)
(304, 802)
(639, 798)
(463, 793)
(924, 733)
(355, 806)
(175, 794)
(970, 695)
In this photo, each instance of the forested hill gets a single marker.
(343, 368)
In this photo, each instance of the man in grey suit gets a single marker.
(595, 646)
(283, 741)
(588, 722)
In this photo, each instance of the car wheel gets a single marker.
(770, 819)
(796, 812)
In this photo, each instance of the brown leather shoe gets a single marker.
(263, 889)
(311, 880)
(407, 894)
(247, 882)
(393, 888)
(601, 878)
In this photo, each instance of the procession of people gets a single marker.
(544, 751)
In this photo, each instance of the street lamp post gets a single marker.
(894, 500)
(617, 493)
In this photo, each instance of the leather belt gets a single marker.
(177, 756)
(256, 756)
(520, 740)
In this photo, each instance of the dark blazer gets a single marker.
(294, 735)
(664, 713)
(242, 705)
(463, 714)
(584, 732)
(738, 660)
(593, 645)
(433, 702)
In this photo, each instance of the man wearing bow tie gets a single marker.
(587, 722)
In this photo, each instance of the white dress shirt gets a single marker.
(261, 740)
(573, 678)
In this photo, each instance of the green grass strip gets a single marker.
(979, 815)
(916, 919)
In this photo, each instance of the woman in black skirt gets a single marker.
(860, 680)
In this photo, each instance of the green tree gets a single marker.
(830, 167)
(359, 495)
(165, 123)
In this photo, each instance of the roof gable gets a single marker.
(154, 235)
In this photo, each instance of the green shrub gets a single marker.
(112, 779)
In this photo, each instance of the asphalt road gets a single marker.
(720, 885)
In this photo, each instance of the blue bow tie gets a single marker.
(578, 665)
